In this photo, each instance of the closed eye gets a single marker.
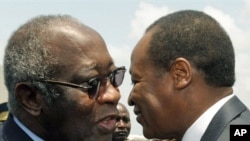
(134, 82)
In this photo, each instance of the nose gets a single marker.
(121, 123)
(108, 94)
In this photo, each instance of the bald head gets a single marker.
(122, 108)
(33, 50)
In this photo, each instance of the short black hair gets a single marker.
(198, 38)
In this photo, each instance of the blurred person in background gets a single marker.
(123, 124)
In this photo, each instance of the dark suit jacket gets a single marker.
(232, 112)
(10, 131)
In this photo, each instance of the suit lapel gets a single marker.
(229, 111)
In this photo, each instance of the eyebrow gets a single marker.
(110, 64)
(89, 67)
(85, 72)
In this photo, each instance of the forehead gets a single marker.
(141, 47)
(122, 109)
(139, 57)
(68, 36)
(79, 47)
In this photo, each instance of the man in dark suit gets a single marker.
(62, 82)
(183, 70)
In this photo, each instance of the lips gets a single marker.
(121, 133)
(107, 124)
(137, 112)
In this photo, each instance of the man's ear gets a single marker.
(29, 98)
(182, 73)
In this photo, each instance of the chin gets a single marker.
(149, 134)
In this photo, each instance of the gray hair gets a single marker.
(28, 57)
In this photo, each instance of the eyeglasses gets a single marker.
(93, 85)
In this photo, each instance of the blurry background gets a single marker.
(122, 23)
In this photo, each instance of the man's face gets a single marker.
(152, 95)
(123, 124)
(74, 115)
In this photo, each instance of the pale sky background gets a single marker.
(122, 22)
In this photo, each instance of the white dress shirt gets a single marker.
(198, 128)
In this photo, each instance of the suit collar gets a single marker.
(12, 132)
(228, 112)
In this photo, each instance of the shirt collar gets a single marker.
(32, 135)
(198, 128)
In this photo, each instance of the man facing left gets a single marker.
(62, 82)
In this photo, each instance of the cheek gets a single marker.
(80, 105)
(128, 125)
(139, 94)
(155, 101)
(79, 98)
(146, 98)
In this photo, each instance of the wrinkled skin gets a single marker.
(73, 116)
